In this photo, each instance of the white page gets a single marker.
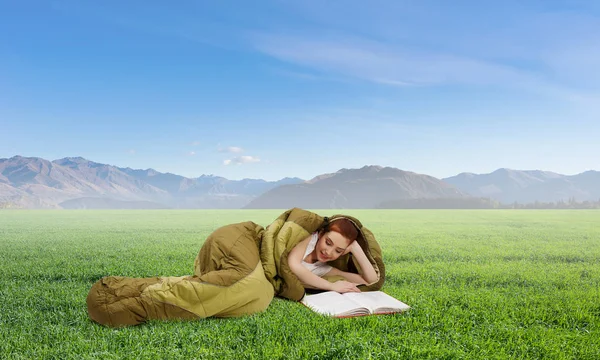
(329, 302)
(377, 299)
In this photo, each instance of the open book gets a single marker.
(353, 304)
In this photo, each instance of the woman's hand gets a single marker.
(352, 248)
(367, 271)
(344, 287)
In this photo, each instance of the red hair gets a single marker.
(343, 226)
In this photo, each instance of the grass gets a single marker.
(491, 284)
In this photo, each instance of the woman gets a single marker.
(308, 260)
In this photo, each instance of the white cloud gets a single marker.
(195, 143)
(385, 63)
(241, 160)
(192, 153)
(231, 149)
(297, 75)
(392, 65)
(131, 151)
(551, 53)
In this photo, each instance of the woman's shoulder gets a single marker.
(300, 248)
(305, 241)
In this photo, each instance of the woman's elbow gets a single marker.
(371, 279)
(294, 267)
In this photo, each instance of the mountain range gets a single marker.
(78, 183)
(507, 186)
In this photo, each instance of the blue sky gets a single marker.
(268, 89)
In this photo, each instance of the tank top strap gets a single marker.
(311, 244)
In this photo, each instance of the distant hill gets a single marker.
(366, 187)
(440, 203)
(75, 182)
(30, 182)
(107, 203)
(508, 186)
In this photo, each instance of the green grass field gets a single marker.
(483, 285)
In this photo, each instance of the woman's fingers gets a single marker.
(352, 288)
(347, 286)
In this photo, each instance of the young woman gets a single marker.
(308, 260)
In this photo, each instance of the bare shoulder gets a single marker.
(304, 243)
(300, 247)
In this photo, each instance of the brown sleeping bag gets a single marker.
(228, 281)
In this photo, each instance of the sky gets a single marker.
(273, 89)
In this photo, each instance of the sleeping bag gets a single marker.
(238, 271)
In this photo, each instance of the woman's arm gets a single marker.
(367, 272)
(352, 277)
(308, 278)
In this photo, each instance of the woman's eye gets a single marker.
(338, 251)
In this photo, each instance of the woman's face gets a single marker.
(331, 246)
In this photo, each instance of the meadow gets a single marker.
(483, 284)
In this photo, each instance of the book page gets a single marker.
(377, 301)
(332, 303)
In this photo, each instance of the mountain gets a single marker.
(106, 203)
(109, 180)
(581, 187)
(75, 182)
(525, 186)
(366, 187)
(35, 182)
